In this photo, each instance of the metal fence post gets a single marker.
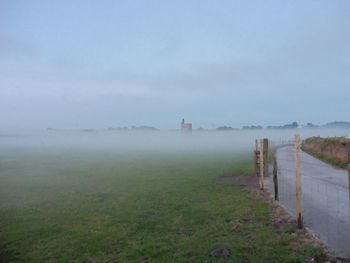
(275, 180)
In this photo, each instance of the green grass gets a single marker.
(326, 158)
(330, 140)
(104, 206)
(333, 142)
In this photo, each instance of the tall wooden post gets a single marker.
(349, 179)
(349, 173)
(298, 193)
(256, 166)
(261, 162)
(275, 180)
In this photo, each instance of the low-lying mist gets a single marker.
(170, 141)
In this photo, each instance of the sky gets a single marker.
(100, 64)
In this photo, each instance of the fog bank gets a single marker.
(157, 140)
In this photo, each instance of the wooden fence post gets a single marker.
(256, 166)
(261, 162)
(349, 173)
(349, 179)
(275, 180)
(256, 163)
(298, 193)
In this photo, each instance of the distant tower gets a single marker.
(186, 127)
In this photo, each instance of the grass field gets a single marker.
(136, 206)
(332, 150)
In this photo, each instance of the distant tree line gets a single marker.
(293, 125)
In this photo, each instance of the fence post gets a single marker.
(349, 173)
(256, 166)
(349, 179)
(275, 180)
(261, 162)
(298, 193)
(256, 163)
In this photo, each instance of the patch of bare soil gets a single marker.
(281, 220)
(250, 182)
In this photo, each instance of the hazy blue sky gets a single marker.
(77, 64)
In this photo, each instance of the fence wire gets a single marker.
(325, 197)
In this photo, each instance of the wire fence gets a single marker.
(325, 196)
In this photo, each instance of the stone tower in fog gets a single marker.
(186, 127)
